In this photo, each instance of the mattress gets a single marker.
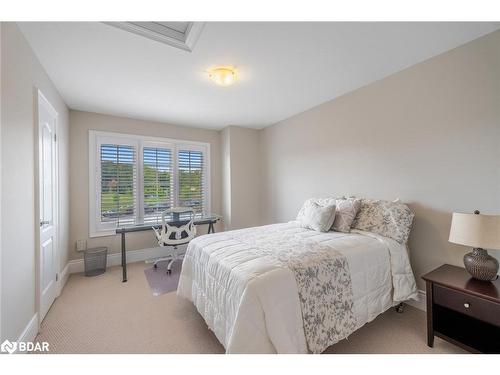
(251, 303)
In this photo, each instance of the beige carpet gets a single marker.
(103, 315)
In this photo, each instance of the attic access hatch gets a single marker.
(181, 35)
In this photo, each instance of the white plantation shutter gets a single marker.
(191, 186)
(134, 179)
(118, 184)
(158, 192)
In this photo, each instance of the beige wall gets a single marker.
(241, 177)
(81, 123)
(21, 75)
(429, 135)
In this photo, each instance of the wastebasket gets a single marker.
(95, 261)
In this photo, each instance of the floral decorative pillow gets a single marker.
(345, 213)
(389, 219)
(317, 217)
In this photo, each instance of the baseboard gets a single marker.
(63, 278)
(115, 259)
(421, 303)
(30, 331)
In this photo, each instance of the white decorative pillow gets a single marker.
(389, 219)
(345, 213)
(320, 201)
(317, 217)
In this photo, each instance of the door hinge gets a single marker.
(57, 277)
(55, 137)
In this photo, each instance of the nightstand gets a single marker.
(463, 310)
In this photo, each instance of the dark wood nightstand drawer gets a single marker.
(467, 304)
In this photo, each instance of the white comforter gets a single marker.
(252, 303)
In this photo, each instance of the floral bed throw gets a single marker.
(323, 282)
(389, 219)
(325, 294)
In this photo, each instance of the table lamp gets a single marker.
(479, 231)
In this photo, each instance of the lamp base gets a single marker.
(481, 265)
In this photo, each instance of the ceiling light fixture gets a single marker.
(223, 76)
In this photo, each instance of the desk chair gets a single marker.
(172, 235)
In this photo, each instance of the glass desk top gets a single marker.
(199, 219)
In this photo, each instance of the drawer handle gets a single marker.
(466, 305)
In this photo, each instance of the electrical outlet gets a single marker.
(81, 245)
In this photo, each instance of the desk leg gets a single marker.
(211, 228)
(124, 259)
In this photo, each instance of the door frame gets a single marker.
(39, 97)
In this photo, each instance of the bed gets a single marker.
(283, 288)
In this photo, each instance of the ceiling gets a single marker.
(283, 68)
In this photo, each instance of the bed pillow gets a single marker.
(318, 217)
(389, 219)
(320, 201)
(345, 213)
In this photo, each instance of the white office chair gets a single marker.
(175, 235)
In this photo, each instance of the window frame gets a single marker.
(97, 138)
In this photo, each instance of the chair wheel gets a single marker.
(169, 272)
(155, 266)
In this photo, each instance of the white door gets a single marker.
(47, 118)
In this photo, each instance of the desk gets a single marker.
(200, 219)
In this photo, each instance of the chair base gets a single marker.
(169, 266)
(170, 259)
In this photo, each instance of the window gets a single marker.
(191, 185)
(133, 179)
(158, 191)
(118, 181)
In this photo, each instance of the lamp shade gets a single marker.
(475, 230)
